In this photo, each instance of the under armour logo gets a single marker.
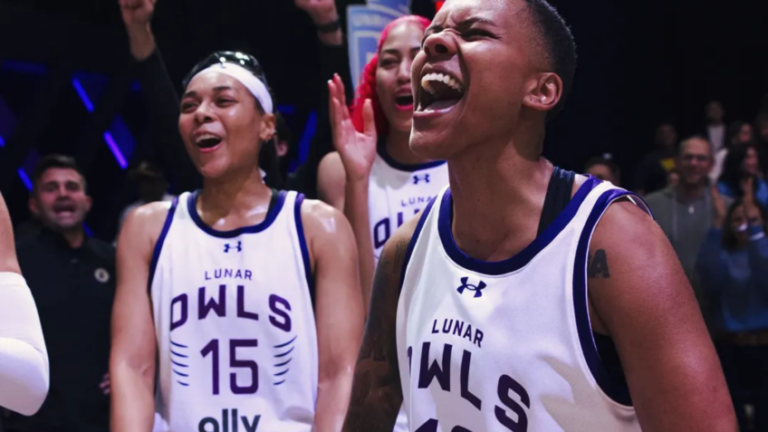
(417, 179)
(467, 286)
(238, 247)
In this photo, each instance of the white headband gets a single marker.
(246, 78)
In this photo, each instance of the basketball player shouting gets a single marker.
(24, 375)
(525, 298)
(254, 310)
(374, 177)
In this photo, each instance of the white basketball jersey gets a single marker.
(505, 346)
(397, 192)
(235, 326)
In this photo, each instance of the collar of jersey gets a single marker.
(381, 149)
(518, 261)
(253, 229)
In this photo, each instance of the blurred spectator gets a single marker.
(72, 279)
(761, 132)
(152, 187)
(684, 211)
(734, 266)
(652, 172)
(715, 130)
(603, 168)
(739, 132)
(743, 163)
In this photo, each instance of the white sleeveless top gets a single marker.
(235, 326)
(396, 192)
(506, 346)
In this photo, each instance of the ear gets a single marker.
(88, 203)
(267, 127)
(33, 207)
(544, 92)
(281, 147)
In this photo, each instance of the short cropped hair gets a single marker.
(559, 44)
(55, 161)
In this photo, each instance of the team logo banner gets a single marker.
(364, 27)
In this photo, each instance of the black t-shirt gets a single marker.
(73, 290)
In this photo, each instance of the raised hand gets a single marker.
(321, 11)
(137, 13)
(357, 150)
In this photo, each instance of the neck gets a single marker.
(498, 193)
(75, 236)
(716, 123)
(239, 195)
(689, 192)
(398, 148)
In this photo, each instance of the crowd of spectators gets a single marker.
(707, 192)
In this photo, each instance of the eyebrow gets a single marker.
(218, 89)
(397, 52)
(465, 23)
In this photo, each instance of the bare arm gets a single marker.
(351, 197)
(377, 393)
(331, 181)
(132, 359)
(8, 261)
(24, 375)
(640, 297)
(338, 309)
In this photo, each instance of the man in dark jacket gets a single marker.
(72, 279)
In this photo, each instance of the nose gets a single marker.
(203, 113)
(404, 71)
(439, 44)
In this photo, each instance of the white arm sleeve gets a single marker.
(24, 375)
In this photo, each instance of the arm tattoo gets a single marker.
(376, 391)
(598, 265)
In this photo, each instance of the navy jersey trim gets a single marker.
(303, 246)
(381, 149)
(253, 229)
(414, 239)
(614, 390)
(160, 241)
(522, 258)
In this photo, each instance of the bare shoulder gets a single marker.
(331, 163)
(319, 217)
(395, 248)
(144, 224)
(331, 180)
(623, 222)
(331, 169)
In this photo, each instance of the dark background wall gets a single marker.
(640, 63)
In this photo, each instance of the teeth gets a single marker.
(427, 80)
(205, 137)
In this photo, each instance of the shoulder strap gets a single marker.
(557, 198)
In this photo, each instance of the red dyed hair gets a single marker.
(367, 87)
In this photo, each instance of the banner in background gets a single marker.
(364, 27)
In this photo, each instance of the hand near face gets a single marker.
(357, 150)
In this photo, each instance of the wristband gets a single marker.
(329, 27)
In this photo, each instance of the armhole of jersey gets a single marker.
(414, 239)
(159, 244)
(303, 246)
(581, 297)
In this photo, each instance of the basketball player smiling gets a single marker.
(238, 336)
(525, 297)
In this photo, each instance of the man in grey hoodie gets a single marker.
(685, 211)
